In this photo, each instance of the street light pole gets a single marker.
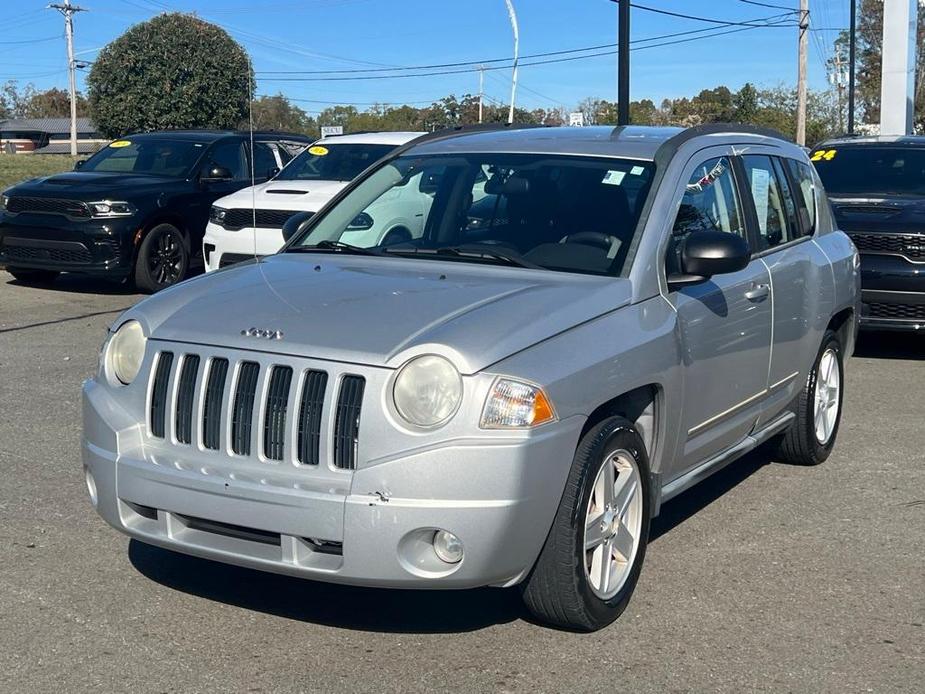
(513, 15)
(623, 63)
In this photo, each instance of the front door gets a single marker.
(725, 322)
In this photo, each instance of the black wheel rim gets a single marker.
(165, 262)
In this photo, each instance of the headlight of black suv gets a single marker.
(111, 208)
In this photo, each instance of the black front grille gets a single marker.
(897, 311)
(274, 419)
(18, 204)
(185, 392)
(212, 407)
(910, 245)
(233, 258)
(159, 394)
(347, 422)
(243, 409)
(310, 411)
(77, 255)
(265, 219)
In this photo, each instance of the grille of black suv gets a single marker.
(236, 219)
(911, 246)
(257, 401)
(897, 311)
(18, 204)
(76, 254)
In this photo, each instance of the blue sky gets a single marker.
(325, 35)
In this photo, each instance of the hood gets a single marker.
(309, 196)
(895, 214)
(89, 185)
(379, 311)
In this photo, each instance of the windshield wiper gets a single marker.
(483, 252)
(337, 246)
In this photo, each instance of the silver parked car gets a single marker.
(590, 321)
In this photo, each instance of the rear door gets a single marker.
(725, 322)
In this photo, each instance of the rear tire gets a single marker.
(810, 438)
(29, 276)
(589, 566)
(163, 259)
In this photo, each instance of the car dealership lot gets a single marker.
(765, 577)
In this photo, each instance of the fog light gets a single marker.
(91, 486)
(448, 547)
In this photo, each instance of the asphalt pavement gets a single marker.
(767, 577)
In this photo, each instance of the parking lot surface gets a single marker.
(767, 577)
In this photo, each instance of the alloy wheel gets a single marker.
(827, 396)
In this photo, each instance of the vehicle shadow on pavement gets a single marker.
(886, 345)
(347, 607)
(78, 284)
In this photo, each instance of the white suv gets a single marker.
(304, 185)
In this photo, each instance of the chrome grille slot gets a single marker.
(347, 422)
(159, 394)
(311, 410)
(212, 407)
(242, 415)
(186, 390)
(274, 418)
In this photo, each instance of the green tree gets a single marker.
(278, 113)
(52, 103)
(173, 71)
(745, 104)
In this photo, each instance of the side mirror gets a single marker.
(272, 172)
(296, 224)
(361, 222)
(79, 163)
(216, 174)
(708, 253)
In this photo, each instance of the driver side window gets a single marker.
(709, 203)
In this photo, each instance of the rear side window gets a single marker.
(774, 204)
(802, 176)
(264, 161)
(230, 155)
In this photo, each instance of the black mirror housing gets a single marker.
(296, 224)
(708, 253)
(216, 174)
(79, 163)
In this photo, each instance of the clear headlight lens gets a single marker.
(111, 208)
(217, 214)
(4, 199)
(513, 405)
(427, 391)
(126, 351)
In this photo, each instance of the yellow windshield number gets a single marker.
(823, 155)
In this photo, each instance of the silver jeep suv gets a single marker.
(589, 321)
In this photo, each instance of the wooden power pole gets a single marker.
(68, 10)
(801, 73)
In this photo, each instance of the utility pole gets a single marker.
(801, 76)
(68, 11)
(513, 15)
(623, 63)
(481, 89)
(852, 48)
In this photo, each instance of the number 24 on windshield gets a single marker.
(823, 154)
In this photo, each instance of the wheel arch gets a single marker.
(843, 325)
(161, 217)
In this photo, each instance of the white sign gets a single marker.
(576, 119)
(329, 130)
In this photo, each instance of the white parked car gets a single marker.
(308, 182)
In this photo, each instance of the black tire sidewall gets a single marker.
(610, 436)
(143, 278)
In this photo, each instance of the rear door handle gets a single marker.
(758, 292)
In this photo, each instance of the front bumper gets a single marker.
(892, 293)
(222, 247)
(52, 242)
(499, 496)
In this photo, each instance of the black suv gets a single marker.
(877, 189)
(137, 209)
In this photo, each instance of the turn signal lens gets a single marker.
(514, 405)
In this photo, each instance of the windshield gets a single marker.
(566, 213)
(866, 170)
(173, 158)
(332, 162)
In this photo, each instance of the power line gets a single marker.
(773, 7)
(695, 18)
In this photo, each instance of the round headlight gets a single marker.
(427, 391)
(126, 351)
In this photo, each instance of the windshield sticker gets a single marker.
(761, 184)
(707, 180)
(120, 143)
(318, 150)
(823, 155)
(637, 170)
(614, 178)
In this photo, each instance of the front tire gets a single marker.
(163, 259)
(29, 276)
(810, 438)
(590, 564)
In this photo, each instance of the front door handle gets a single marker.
(758, 292)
